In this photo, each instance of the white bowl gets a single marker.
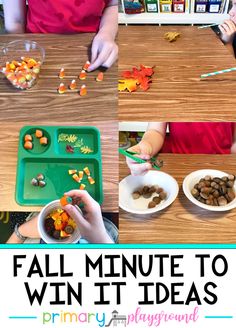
(49, 208)
(194, 177)
(153, 178)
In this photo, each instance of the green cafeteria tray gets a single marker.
(54, 162)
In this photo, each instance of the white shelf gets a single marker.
(133, 126)
(185, 18)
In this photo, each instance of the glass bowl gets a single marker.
(21, 61)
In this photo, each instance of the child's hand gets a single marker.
(91, 224)
(104, 51)
(228, 30)
(144, 149)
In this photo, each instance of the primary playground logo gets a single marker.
(138, 317)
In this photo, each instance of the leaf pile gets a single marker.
(136, 78)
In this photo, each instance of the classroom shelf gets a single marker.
(171, 18)
(133, 126)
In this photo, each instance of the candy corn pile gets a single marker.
(73, 84)
(59, 224)
(22, 75)
(79, 175)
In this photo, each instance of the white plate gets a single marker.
(153, 178)
(194, 177)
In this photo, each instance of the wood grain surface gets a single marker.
(8, 155)
(43, 102)
(182, 221)
(177, 92)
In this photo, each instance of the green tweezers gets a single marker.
(131, 154)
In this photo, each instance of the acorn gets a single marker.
(42, 183)
(34, 182)
(40, 176)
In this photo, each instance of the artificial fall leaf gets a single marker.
(145, 84)
(141, 76)
(128, 84)
(148, 71)
(86, 150)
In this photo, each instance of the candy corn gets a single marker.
(91, 180)
(73, 85)
(86, 65)
(100, 77)
(76, 177)
(82, 186)
(65, 200)
(72, 171)
(81, 174)
(86, 171)
(83, 90)
(22, 74)
(62, 88)
(62, 73)
(82, 75)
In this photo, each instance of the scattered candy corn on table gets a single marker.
(47, 159)
(69, 52)
(176, 91)
(182, 221)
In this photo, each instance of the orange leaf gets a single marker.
(145, 84)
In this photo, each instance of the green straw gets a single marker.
(219, 72)
(210, 25)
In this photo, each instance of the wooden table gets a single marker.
(8, 154)
(182, 221)
(43, 102)
(177, 93)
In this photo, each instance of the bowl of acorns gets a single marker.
(212, 190)
(56, 226)
(148, 193)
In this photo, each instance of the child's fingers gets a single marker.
(140, 169)
(232, 26)
(82, 194)
(101, 59)
(111, 59)
(94, 52)
(76, 215)
(224, 28)
(228, 26)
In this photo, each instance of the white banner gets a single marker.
(117, 288)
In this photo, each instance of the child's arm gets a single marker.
(28, 229)
(104, 49)
(233, 147)
(14, 15)
(149, 146)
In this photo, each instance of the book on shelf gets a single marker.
(134, 6)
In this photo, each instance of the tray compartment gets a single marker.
(88, 135)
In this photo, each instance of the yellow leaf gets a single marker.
(128, 84)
